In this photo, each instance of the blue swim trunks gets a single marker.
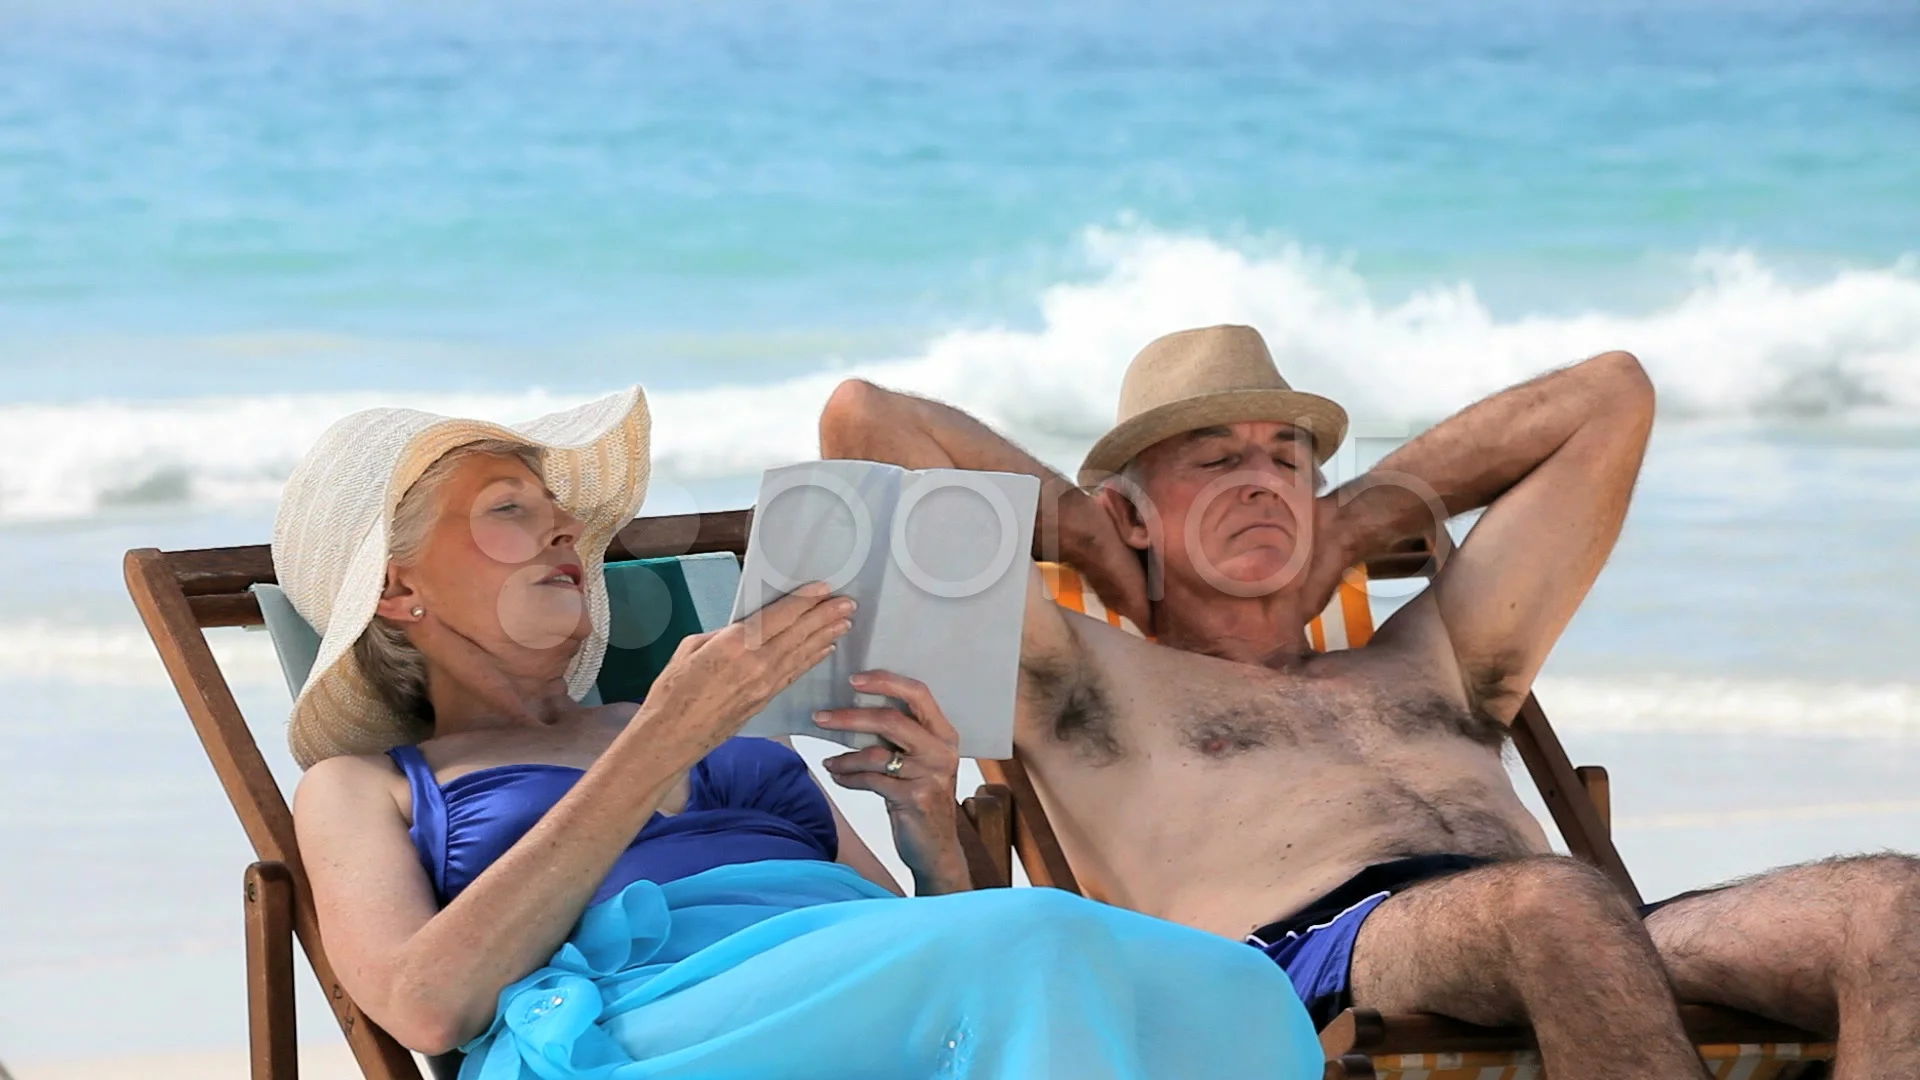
(1314, 946)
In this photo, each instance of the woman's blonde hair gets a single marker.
(390, 663)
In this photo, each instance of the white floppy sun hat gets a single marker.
(331, 537)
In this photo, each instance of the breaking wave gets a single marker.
(1743, 342)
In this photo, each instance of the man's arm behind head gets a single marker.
(1554, 461)
(871, 423)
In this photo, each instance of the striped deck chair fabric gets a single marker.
(1347, 622)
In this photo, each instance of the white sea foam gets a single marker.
(1742, 342)
(1672, 703)
(119, 655)
(123, 656)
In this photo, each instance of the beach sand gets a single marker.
(330, 1061)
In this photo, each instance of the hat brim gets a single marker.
(596, 461)
(1325, 420)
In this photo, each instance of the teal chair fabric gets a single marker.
(294, 642)
(653, 603)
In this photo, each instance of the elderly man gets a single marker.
(1349, 812)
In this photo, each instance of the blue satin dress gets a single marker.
(727, 944)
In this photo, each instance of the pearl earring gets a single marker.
(417, 611)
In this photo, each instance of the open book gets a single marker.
(938, 561)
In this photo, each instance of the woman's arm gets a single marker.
(432, 978)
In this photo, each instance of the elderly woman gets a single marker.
(622, 890)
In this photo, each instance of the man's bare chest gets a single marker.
(1145, 699)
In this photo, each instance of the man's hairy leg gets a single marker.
(1546, 941)
(1827, 946)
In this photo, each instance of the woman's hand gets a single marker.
(919, 789)
(719, 680)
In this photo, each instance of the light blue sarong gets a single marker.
(798, 969)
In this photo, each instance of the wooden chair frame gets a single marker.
(1578, 799)
(181, 594)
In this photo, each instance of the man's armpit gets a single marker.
(1061, 698)
(1493, 684)
(1417, 633)
(1064, 699)
(1045, 637)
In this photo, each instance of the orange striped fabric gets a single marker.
(1355, 610)
(1070, 591)
(1346, 623)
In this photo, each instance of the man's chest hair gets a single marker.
(1117, 701)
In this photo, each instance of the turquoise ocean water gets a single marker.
(223, 225)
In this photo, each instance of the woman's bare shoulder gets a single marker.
(334, 783)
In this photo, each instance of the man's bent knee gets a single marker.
(1879, 896)
(1554, 892)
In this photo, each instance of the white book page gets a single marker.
(937, 561)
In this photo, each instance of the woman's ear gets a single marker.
(398, 600)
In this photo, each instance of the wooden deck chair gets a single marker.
(180, 594)
(1360, 1043)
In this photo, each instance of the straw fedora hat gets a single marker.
(331, 535)
(1199, 378)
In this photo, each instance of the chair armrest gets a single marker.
(1599, 792)
(990, 809)
(1033, 838)
(272, 1034)
(1708, 1025)
(984, 869)
(1366, 1033)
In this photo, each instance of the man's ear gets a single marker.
(1127, 505)
(398, 598)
